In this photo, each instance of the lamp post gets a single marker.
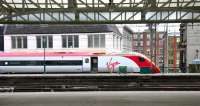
(44, 46)
(163, 57)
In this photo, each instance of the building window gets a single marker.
(148, 43)
(138, 44)
(44, 41)
(136, 36)
(135, 44)
(70, 41)
(148, 36)
(148, 52)
(141, 44)
(19, 42)
(96, 41)
(141, 36)
(171, 61)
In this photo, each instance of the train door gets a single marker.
(94, 64)
(86, 64)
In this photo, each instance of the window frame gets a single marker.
(45, 41)
(65, 41)
(101, 41)
(19, 42)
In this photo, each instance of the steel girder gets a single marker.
(99, 11)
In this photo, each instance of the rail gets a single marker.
(98, 82)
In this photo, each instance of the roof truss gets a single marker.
(99, 11)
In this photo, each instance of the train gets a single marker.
(76, 62)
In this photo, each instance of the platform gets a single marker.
(98, 74)
(99, 82)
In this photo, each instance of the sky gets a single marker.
(172, 29)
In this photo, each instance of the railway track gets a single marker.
(98, 82)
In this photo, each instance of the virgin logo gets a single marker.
(112, 65)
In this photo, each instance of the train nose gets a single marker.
(156, 69)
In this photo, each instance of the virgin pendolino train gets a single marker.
(76, 62)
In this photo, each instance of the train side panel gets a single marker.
(86, 64)
(114, 63)
(63, 69)
(35, 64)
(21, 69)
(76, 64)
(16, 65)
(64, 64)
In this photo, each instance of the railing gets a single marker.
(170, 70)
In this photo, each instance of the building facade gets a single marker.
(127, 41)
(189, 44)
(151, 46)
(173, 54)
(62, 38)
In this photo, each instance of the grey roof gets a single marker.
(1, 30)
(128, 29)
(1, 39)
(59, 29)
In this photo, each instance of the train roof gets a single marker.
(46, 54)
(14, 54)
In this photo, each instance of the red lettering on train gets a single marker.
(112, 65)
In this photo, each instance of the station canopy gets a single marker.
(99, 11)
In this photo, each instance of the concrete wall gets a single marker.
(109, 41)
(57, 43)
(193, 42)
(7, 44)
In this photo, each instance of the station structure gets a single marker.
(99, 11)
(150, 12)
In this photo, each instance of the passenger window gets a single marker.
(1, 63)
(94, 61)
(86, 60)
(141, 59)
(14, 63)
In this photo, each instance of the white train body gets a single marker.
(66, 63)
